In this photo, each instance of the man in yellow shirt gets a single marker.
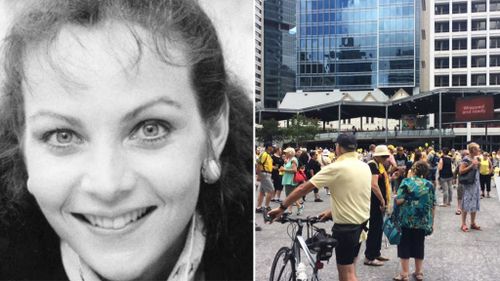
(264, 171)
(349, 182)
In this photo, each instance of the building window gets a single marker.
(495, 60)
(422, 63)
(459, 62)
(495, 23)
(478, 7)
(373, 120)
(494, 78)
(440, 27)
(459, 25)
(459, 80)
(442, 9)
(478, 80)
(442, 45)
(440, 63)
(478, 43)
(459, 44)
(478, 24)
(494, 5)
(423, 34)
(441, 81)
(459, 8)
(494, 42)
(478, 61)
(423, 5)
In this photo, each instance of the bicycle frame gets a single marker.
(300, 243)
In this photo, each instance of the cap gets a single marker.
(347, 141)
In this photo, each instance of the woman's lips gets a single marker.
(117, 222)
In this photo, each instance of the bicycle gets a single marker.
(287, 264)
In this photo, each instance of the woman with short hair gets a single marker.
(416, 202)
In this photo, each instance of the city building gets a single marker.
(259, 23)
(460, 44)
(279, 50)
(357, 44)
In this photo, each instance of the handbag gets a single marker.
(467, 178)
(391, 227)
(299, 177)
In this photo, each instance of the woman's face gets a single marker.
(105, 149)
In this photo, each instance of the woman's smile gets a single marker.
(115, 222)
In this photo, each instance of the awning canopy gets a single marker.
(325, 105)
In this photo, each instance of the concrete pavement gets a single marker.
(450, 254)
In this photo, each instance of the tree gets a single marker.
(301, 129)
(269, 131)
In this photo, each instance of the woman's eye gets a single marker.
(61, 138)
(151, 131)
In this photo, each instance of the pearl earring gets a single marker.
(210, 171)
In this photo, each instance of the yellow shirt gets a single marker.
(266, 161)
(484, 167)
(349, 181)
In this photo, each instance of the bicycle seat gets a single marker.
(323, 244)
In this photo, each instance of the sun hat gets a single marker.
(381, 150)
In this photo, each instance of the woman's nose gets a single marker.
(108, 176)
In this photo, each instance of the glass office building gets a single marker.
(356, 44)
(279, 50)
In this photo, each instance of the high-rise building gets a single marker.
(357, 44)
(279, 50)
(461, 47)
(259, 23)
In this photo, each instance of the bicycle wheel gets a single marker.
(283, 268)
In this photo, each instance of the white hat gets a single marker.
(381, 150)
(326, 152)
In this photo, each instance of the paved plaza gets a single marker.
(450, 254)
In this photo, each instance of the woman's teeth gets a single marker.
(116, 222)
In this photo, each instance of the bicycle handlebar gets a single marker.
(284, 219)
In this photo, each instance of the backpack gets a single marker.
(433, 161)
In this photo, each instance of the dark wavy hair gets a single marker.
(420, 168)
(225, 205)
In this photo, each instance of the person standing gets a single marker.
(470, 200)
(264, 170)
(485, 171)
(446, 177)
(416, 202)
(349, 181)
(276, 175)
(380, 187)
(289, 170)
(312, 168)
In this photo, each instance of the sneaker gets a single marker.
(318, 200)
(259, 210)
(300, 210)
(258, 228)
(273, 200)
(267, 209)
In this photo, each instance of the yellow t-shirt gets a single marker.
(349, 181)
(484, 167)
(266, 161)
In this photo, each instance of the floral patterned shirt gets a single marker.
(420, 198)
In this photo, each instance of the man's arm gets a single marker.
(300, 191)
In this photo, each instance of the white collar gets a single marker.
(186, 268)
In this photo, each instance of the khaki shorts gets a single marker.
(266, 183)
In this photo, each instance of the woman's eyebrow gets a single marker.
(154, 102)
(43, 113)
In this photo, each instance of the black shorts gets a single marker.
(347, 236)
(411, 244)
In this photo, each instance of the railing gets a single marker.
(411, 134)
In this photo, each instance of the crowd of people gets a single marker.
(382, 179)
